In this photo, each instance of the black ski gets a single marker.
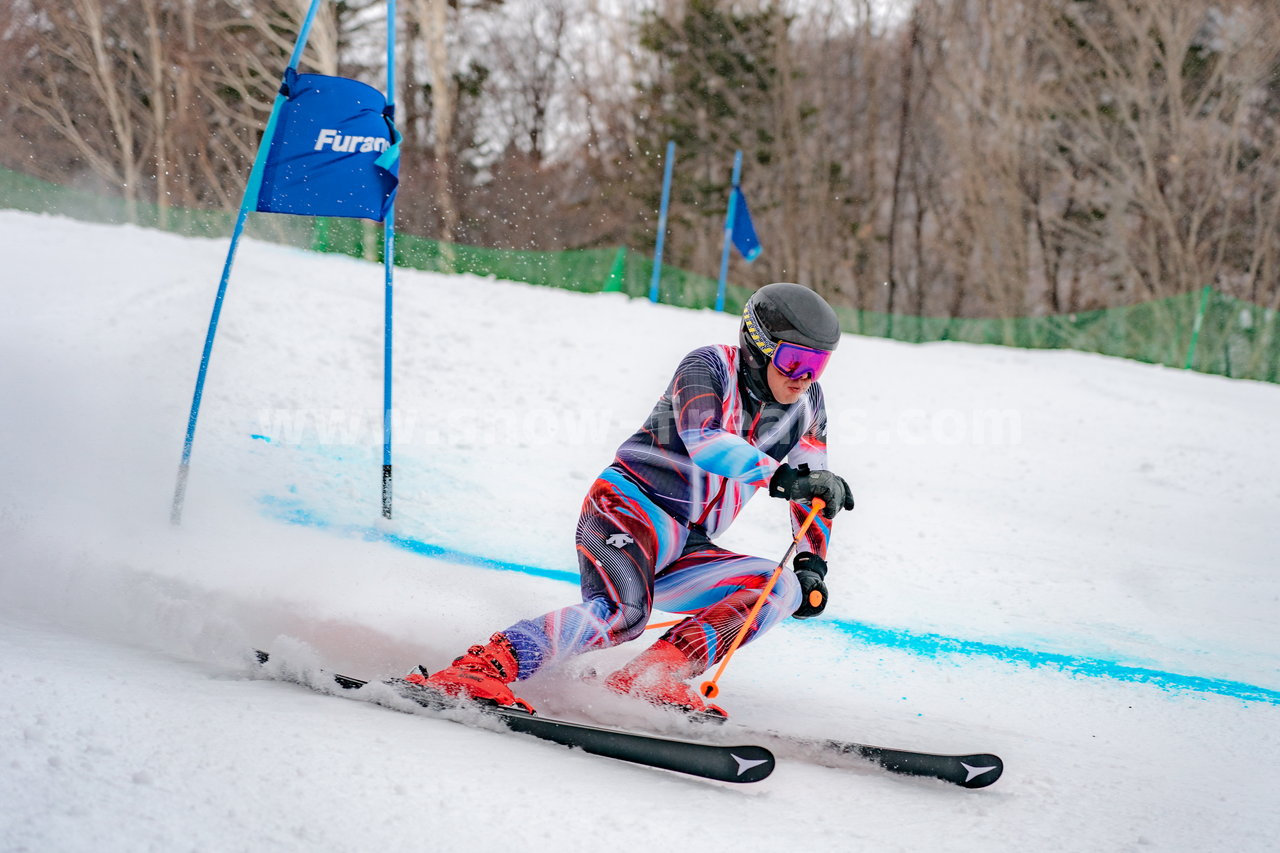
(710, 761)
(968, 771)
(976, 770)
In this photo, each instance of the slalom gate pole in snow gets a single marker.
(662, 220)
(709, 688)
(728, 232)
(388, 266)
(330, 149)
(247, 202)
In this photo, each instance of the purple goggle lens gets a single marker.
(796, 362)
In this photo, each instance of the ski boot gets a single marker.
(481, 675)
(658, 676)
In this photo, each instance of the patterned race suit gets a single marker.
(644, 536)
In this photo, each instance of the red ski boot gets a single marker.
(481, 675)
(658, 676)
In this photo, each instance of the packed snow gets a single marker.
(1061, 558)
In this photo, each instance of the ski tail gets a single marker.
(968, 771)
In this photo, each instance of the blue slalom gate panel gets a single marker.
(335, 151)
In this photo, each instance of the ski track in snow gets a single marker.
(1050, 502)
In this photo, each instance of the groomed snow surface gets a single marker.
(1061, 558)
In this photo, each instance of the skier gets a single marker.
(722, 429)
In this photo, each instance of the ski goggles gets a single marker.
(791, 360)
(796, 362)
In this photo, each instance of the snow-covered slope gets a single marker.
(1062, 558)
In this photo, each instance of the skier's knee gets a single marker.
(622, 621)
(631, 622)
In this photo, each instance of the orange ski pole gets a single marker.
(709, 688)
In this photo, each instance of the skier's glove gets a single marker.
(801, 484)
(811, 570)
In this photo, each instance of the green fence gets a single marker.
(1205, 331)
(583, 270)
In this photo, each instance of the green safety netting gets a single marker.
(583, 270)
(1205, 331)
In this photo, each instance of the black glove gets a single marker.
(801, 484)
(811, 570)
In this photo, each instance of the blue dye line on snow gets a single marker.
(912, 642)
(938, 645)
(441, 553)
(293, 512)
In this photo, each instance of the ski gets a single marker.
(738, 763)
(728, 763)
(976, 770)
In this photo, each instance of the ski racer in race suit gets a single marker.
(721, 430)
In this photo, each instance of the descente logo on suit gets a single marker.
(335, 141)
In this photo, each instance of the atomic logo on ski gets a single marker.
(619, 540)
(745, 764)
(975, 772)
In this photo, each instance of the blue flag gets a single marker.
(744, 233)
(335, 151)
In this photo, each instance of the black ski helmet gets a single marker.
(782, 312)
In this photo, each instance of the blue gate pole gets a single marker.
(728, 231)
(388, 266)
(247, 202)
(662, 220)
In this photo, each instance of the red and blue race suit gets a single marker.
(644, 536)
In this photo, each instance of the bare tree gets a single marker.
(79, 59)
(983, 167)
(907, 95)
(1158, 100)
(1084, 154)
(432, 20)
(527, 56)
(839, 94)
